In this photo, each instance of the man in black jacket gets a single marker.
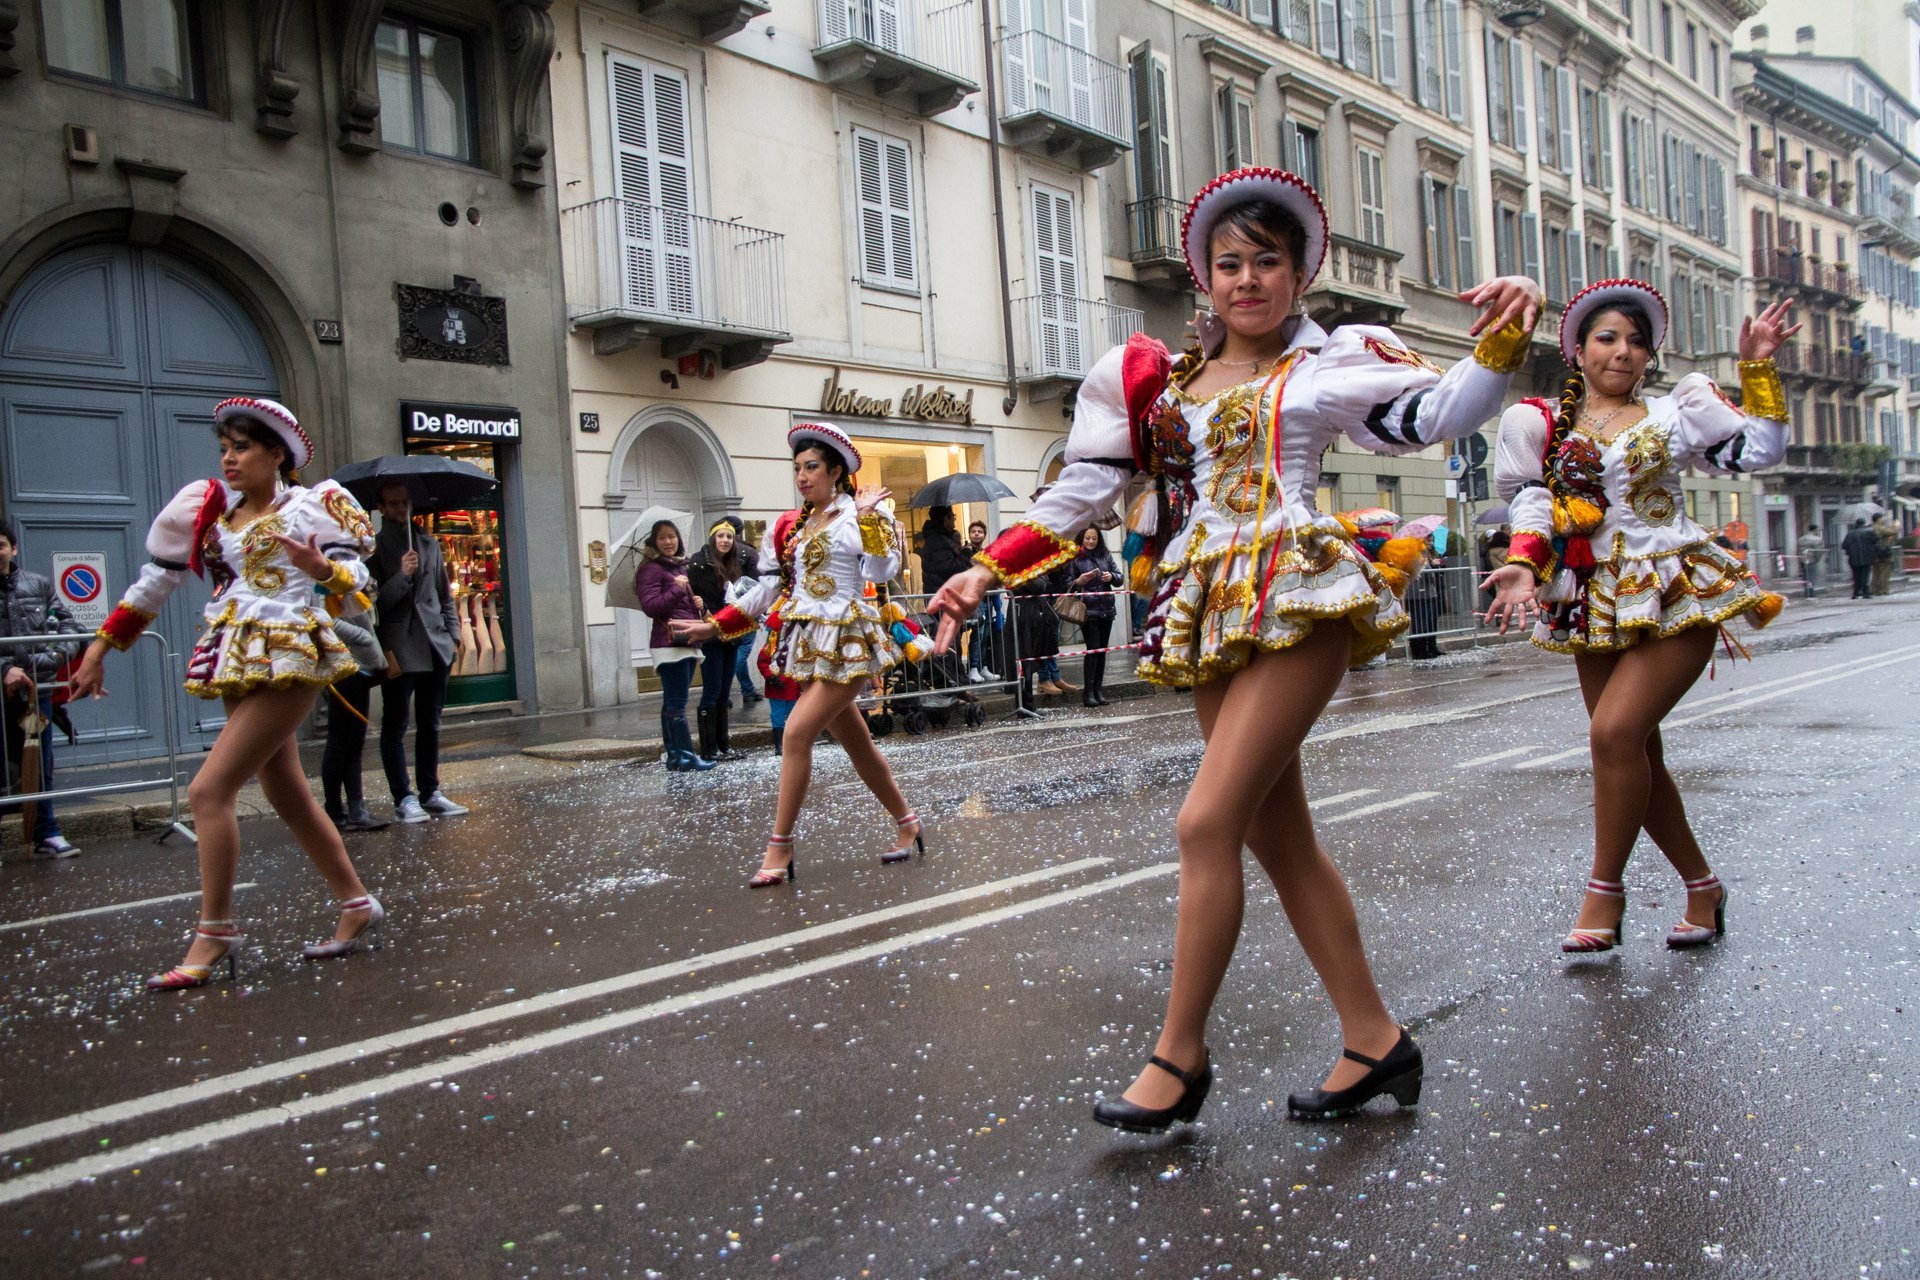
(29, 607)
(1860, 547)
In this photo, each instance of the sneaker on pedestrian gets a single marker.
(976, 676)
(989, 673)
(408, 809)
(54, 847)
(360, 818)
(439, 806)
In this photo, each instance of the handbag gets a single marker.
(1071, 609)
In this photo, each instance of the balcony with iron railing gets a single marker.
(1153, 242)
(714, 19)
(924, 51)
(1884, 222)
(1883, 379)
(1358, 284)
(1780, 267)
(1810, 360)
(1061, 336)
(1856, 460)
(1061, 102)
(639, 272)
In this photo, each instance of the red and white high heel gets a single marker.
(766, 877)
(1687, 933)
(1586, 941)
(233, 940)
(919, 841)
(369, 932)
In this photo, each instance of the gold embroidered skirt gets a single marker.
(1633, 598)
(235, 656)
(1210, 616)
(851, 651)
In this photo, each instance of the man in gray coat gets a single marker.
(419, 628)
(28, 607)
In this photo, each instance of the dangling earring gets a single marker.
(1211, 330)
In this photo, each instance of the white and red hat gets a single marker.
(1287, 190)
(1602, 294)
(828, 434)
(276, 417)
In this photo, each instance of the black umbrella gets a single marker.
(961, 487)
(434, 483)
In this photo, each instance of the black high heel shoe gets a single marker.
(1399, 1073)
(1118, 1113)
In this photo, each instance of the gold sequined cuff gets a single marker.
(1503, 350)
(876, 535)
(340, 583)
(1761, 395)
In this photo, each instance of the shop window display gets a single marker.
(470, 539)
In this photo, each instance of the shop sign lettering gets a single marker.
(429, 421)
(937, 405)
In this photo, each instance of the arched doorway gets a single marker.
(111, 360)
(671, 458)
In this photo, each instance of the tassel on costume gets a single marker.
(1578, 554)
(1575, 515)
(1767, 610)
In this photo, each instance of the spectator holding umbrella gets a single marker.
(1860, 548)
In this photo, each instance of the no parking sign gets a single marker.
(81, 581)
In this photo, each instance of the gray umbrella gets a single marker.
(1496, 514)
(433, 483)
(959, 488)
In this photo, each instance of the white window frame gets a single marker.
(1370, 169)
(894, 216)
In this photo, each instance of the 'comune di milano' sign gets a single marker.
(431, 420)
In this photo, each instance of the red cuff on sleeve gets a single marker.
(1024, 552)
(1531, 550)
(124, 625)
(733, 623)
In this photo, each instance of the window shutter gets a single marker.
(1563, 101)
(1152, 176)
(900, 211)
(1056, 271)
(1451, 24)
(653, 177)
(1243, 131)
(1603, 120)
(1576, 263)
(1328, 12)
(1430, 228)
(1517, 86)
(884, 173)
(1079, 65)
(1613, 264)
(1463, 235)
(1358, 44)
(1530, 245)
(1290, 157)
(1386, 43)
(1223, 127)
(1261, 11)
(1426, 54)
(1543, 98)
(888, 25)
(1017, 58)
(1498, 119)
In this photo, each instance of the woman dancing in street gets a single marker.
(1628, 583)
(1263, 601)
(270, 548)
(814, 567)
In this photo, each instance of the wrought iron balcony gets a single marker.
(923, 50)
(716, 19)
(1781, 267)
(639, 272)
(1883, 222)
(1359, 284)
(1062, 102)
(1154, 242)
(1883, 379)
(1061, 337)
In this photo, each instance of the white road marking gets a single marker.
(971, 763)
(1398, 723)
(1508, 754)
(1750, 696)
(1412, 797)
(84, 1122)
(118, 906)
(140, 1153)
(1342, 798)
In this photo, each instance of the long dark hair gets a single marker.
(1575, 388)
(247, 428)
(731, 563)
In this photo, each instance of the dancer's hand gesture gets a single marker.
(869, 498)
(1501, 299)
(89, 679)
(956, 602)
(1766, 333)
(306, 556)
(1515, 601)
(691, 630)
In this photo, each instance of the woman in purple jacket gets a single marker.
(661, 583)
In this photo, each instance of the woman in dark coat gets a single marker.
(1094, 572)
(666, 593)
(1038, 626)
(713, 570)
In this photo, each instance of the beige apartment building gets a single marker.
(882, 213)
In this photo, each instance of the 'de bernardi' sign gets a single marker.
(432, 420)
(937, 405)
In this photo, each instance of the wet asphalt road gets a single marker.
(587, 1050)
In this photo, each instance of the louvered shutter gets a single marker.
(1576, 263)
(1605, 125)
(1017, 58)
(1243, 130)
(1499, 121)
(1079, 64)
(1530, 246)
(900, 211)
(1563, 101)
(1061, 342)
(1151, 146)
(1463, 234)
(1328, 12)
(653, 178)
(1386, 43)
(889, 25)
(884, 175)
(1261, 11)
(1452, 24)
(1517, 78)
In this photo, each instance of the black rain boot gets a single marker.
(670, 743)
(690, 761)
(723, 732)
(779, 739)
(705, 717)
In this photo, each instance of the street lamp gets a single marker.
(1519, 13)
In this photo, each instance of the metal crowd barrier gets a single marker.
(1120, 640)
(930, 693)
(138, 747)
(1787, 571)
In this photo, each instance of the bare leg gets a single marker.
(258, 725)
(1634, 695)
(1254, 722)
(850, 729)
(819, 704)
(285, 785)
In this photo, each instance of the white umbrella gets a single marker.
(1861, 511)
(625, 556)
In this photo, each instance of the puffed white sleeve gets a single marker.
(345, 533)
(170, 544)
(1519, 479)
(1388, 399)
(880, 554)
(1716, 435)
(1099, 462)
(742, 616)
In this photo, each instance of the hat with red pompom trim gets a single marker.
(1602, 294)
(1287, 190)
(276, 417)
(828, 434)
